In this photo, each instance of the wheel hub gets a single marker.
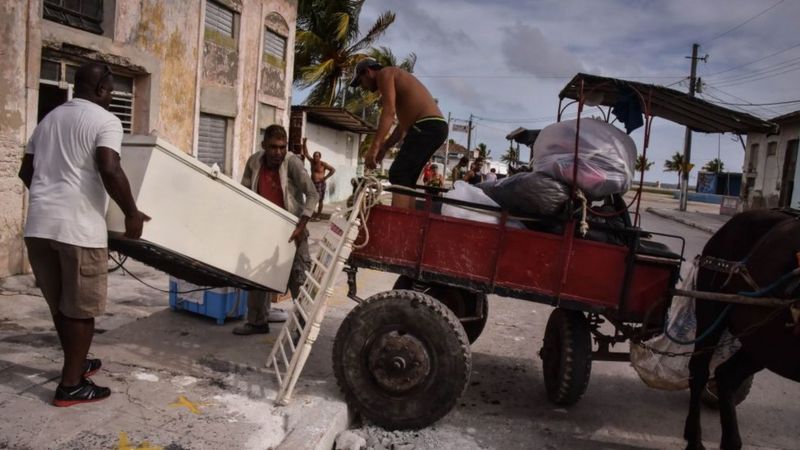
(398, 362)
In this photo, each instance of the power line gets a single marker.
(560, 77)
(759, 78)
(775, 68)
(745, 22)
(758, 104)
(755, 61)
(763, 108)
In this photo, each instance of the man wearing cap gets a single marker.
(419, 120)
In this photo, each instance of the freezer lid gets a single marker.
(175, 152)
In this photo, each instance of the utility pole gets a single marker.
(447, 148)
(687, 142)
(469, 138)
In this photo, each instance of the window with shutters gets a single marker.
(212, 140)
(275, 45)
(220, 18)
(83, 14)
(57, 85)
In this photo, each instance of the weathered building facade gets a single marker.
(206, 75)
(770, 166)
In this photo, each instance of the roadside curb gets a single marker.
(689, 223)
(319, 431)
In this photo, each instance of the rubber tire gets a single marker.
(711, 400)
(455, 299)
(566, 356)
(428, 320)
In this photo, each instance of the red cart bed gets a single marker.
(618, 281)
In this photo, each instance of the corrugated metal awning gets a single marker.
(676, 106)
(336, 118)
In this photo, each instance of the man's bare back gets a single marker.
(413, 101)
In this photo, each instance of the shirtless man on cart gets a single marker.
(419, 120)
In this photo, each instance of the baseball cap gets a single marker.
(363, 65)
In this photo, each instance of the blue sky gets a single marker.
(505, 61)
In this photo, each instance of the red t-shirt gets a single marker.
(269, 186)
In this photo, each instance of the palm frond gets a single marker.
(377, 29)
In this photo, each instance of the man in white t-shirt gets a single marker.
(71, 161)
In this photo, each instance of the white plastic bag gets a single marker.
(606, 156)
(672, 372)
(468, 193)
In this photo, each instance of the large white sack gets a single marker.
(672, 372)
(606, 156)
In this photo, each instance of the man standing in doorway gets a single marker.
(419, 120)
(72, 160)
(279, 177)
(320, 172)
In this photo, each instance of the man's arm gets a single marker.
(26, 170)
(388, 108)
(119, 189)
(297, 174)
(247, 177)
(329, 169)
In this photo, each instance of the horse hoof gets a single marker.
(697, 446)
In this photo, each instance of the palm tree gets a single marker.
(511, 156)
(483, 151)
(643, 164)
(329, 43)
(676, 164)
(715, 165)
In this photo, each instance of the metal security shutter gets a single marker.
(274, 44)
(211, 141)
(219, 18)
(122, 101)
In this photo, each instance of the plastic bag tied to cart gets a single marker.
(606, 156)
(528, 194)
(468, 193)
(672, 372)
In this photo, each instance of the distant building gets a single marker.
(335, 133)
(206, 75)
(770, 166)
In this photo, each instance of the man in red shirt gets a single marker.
(281, 178)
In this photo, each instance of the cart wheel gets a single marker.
(462, 302)
(566, 356)
(711, 399)
(402, 359)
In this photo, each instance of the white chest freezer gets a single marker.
(206, 228)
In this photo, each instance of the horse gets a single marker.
(766, 244)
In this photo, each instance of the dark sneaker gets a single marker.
(92, 366)
(86, 392)
(248, 329)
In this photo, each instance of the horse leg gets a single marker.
(698, 377)
(729, 376)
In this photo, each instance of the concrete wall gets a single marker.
(179, 69)
(340, 150)
(768, 169)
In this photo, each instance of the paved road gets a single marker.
(505, 405)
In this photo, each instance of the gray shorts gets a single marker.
(73, 280)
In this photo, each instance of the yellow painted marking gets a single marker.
(125, 444)
(183, 402)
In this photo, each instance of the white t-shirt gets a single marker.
(67, 198)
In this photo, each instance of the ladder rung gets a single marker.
(325, 247)
(277, 369)
(291, 344)
(310, 277)
(299, 307)
(285, 359)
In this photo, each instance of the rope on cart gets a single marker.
(372, 191)
(584, 226)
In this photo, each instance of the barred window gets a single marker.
(211, 140)
(219, 18)
(274, 44)
(83, 14)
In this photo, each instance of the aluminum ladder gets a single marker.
(291, 349)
